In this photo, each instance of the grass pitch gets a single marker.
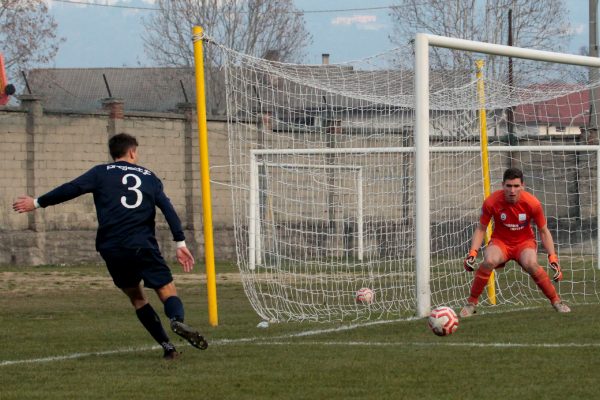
(67, 333)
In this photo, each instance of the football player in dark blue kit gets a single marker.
(126, 196)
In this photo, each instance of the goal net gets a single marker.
(344, 178)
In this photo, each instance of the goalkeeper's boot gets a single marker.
(468, 310)
(561, 307)
(170, 353)
(189, 334)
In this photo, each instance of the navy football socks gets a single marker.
(151, 322)
(174, 309)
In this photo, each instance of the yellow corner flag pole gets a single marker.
(485, 164)
(209, 256)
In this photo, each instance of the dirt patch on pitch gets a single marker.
(31, 282)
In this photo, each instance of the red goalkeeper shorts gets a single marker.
(512, 252)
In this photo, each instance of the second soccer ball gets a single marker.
(365, 296)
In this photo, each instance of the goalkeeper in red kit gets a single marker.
(512, 209)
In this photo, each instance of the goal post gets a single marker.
(422, 122)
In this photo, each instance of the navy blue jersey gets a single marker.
(126, 196)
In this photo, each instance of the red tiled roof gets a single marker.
(570, 109)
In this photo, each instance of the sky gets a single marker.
(98, 36)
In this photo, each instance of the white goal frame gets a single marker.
(422, 148)
(254, 228)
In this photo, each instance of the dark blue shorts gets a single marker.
(128, 267)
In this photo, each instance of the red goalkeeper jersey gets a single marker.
(512, 222)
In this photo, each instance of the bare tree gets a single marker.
(27, 34)
(538, 24)
(254, 27)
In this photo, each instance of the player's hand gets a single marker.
(185, 258)
(469, 263)
(553, 261)
(23, 204)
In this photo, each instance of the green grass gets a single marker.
(61, 311)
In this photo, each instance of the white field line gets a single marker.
(212, 342)
(280, 340)
(263, 342)
(75, 355)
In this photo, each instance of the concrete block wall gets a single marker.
(40, 150)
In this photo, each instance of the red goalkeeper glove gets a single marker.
(469, 262)
(553, 261)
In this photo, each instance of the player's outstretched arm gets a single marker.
(65, 192)
(185, 258)
(24, 204)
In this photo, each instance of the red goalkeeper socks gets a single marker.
(540, 277)
(482, 276)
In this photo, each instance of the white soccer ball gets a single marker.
(365, 296)
(443, 321)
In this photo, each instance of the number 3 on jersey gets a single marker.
(134, 188)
